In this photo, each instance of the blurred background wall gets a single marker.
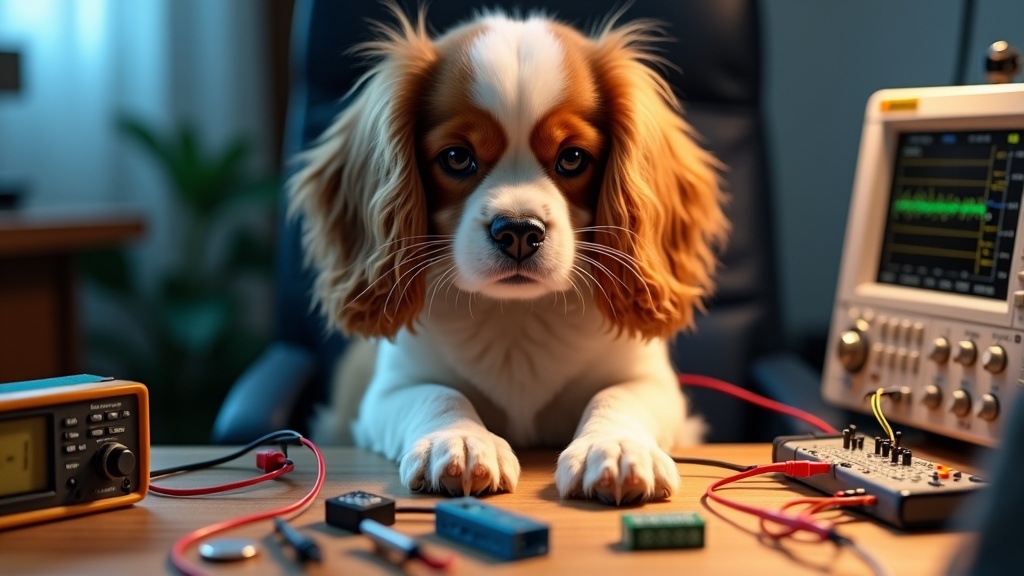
(216, 72)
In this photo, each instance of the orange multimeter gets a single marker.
(71, 445)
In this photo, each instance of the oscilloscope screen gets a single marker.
(953, 211)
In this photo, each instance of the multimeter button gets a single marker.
(113, 415)
(70, 449)
(116, 430)
(126, 414)
(96, 432)
(72, 482)
(97, 417)
(69, 422)
(72, 435)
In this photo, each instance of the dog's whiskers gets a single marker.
(414, 270)
(627, 262)
(607, 229)
(603, 268)
(401, 262)
(437, 286)
(594, 282)
(434, 239)
(579, 294)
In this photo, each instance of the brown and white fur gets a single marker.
(518, 219)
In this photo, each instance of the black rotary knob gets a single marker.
(115, 460)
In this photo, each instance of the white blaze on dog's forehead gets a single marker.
(517, 72)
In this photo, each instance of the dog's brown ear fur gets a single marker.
(360, 196)
(661, 191)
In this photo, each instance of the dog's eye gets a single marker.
(572, 162)
(457, 161)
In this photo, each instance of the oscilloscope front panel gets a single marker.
(930, 300)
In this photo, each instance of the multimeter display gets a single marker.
(24, 456)
(953, 211)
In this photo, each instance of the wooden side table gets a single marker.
(39, 331)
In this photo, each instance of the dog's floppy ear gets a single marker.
(360, 195)
(660, 203)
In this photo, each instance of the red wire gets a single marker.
(793, 468)
(817, 505)
(743, 394)
(183, 543)
(288, 467)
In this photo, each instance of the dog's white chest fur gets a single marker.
(519, 356)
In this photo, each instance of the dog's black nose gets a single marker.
(518, 237)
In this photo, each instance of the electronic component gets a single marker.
(71, 446)
(913, 493)
(349, 510)
(227, 549)
(491, 530)
(930, 298)
(305, 547)
(662, 531)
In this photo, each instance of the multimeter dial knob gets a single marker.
(115, 460)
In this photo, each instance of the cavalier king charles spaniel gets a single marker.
(517, 219)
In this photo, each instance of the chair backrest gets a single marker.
(717, 58)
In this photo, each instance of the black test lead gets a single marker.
(305, 547)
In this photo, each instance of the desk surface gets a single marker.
(583, 539)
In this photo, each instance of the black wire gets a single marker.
(279, 436)
(415, 510)
(966, 35)
(715, 463)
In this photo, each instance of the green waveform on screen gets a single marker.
(938, 206)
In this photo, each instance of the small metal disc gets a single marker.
(227, 549)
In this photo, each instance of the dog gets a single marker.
(517, 219)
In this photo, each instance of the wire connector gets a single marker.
(805, 468)
(270, 460)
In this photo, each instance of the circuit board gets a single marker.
(913, 493)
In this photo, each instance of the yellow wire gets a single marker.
(876, 407)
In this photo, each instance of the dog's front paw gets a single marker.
(615, 471)
(460, 463)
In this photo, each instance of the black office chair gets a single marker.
(717, 54)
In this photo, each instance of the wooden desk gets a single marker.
(38, 310)
(583, 539)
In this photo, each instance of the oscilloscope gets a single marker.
(930, 298)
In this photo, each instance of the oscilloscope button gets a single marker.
(989, 410)
(918, 332)
(993, 359)
(965, 353)
(961, 405)
(939, 350)
(1018, 299)
(895, 328)
(907, 327)
(1020, 276)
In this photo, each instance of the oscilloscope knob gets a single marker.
(115, 460)
(853, 350)
(989, 409)
(961, 403)
(993, 359)
(965, 353)
(939, 350)
(932, 396)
